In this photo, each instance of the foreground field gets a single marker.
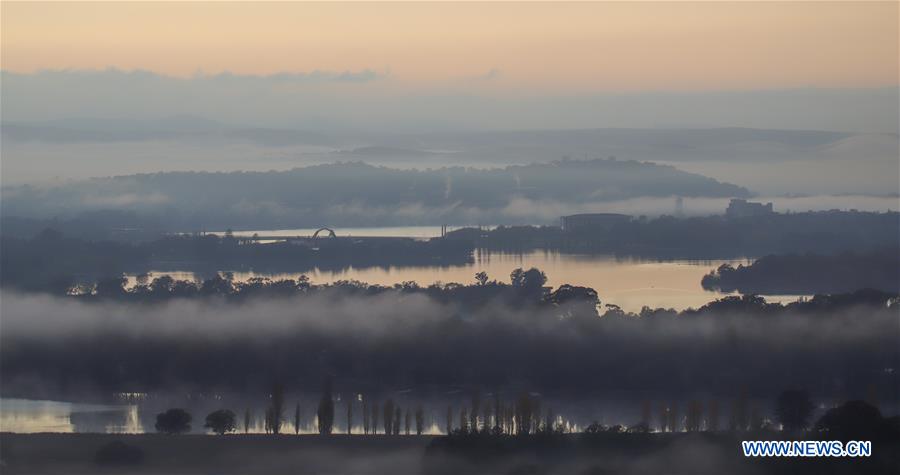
(341, 454)
(233, 454)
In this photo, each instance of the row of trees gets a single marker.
(525, 416)
(526, 283)
(394, 419)
(793, 409)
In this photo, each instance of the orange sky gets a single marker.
(541, 47)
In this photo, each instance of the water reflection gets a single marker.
(31, 416)
(628, 283)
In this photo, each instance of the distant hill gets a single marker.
(360, 194)
(771, 162)
(659, 145)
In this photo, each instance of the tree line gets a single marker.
(524, 416)
(703, 237)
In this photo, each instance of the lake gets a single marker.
(627, 282)
(28, 416)
(630, 283)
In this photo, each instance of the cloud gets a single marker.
(372, 100)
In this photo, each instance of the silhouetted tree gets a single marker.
(365, 412)
(663, 417)
(473, 417)
(374, 417)
(325, 412)
(639, 428)
(276, 408)
(793, 408)
(673, 417)
(530, 282)
(247, 421)
(221, 421)
(297, 419)
(396, 424)
(524, 414)
(498, 414)
(481, 278)
(616, 429)
(645, 412)
(449, 426)
(594, 428)
(408, 421)
(740, 417)
(217, 285)
(574, 301)
(463, 421)
(694, 416)
(162, 285)
(173, 421)
(111, 286)
(756, 419)
(388, 419)
(857, 420)
(303, 283)
(349, 415)
(420, 420)
(712, 422)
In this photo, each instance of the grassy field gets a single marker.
(400, 455)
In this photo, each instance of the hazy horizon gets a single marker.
(754, 94)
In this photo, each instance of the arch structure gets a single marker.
(328, 230)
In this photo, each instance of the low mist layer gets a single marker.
(358, 194)
(489, 336)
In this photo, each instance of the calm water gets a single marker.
(629, 283)
(418, 232)
(27, 415)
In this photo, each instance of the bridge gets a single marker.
(324, 233)
(329, 230)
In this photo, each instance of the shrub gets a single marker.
(173, 421)
(221, 421)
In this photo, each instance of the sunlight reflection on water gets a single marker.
(628, 283)
(28, 416)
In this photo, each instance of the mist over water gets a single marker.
(295, 339)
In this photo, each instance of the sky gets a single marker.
(432, 66)
(496, 48)
(350, 69)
